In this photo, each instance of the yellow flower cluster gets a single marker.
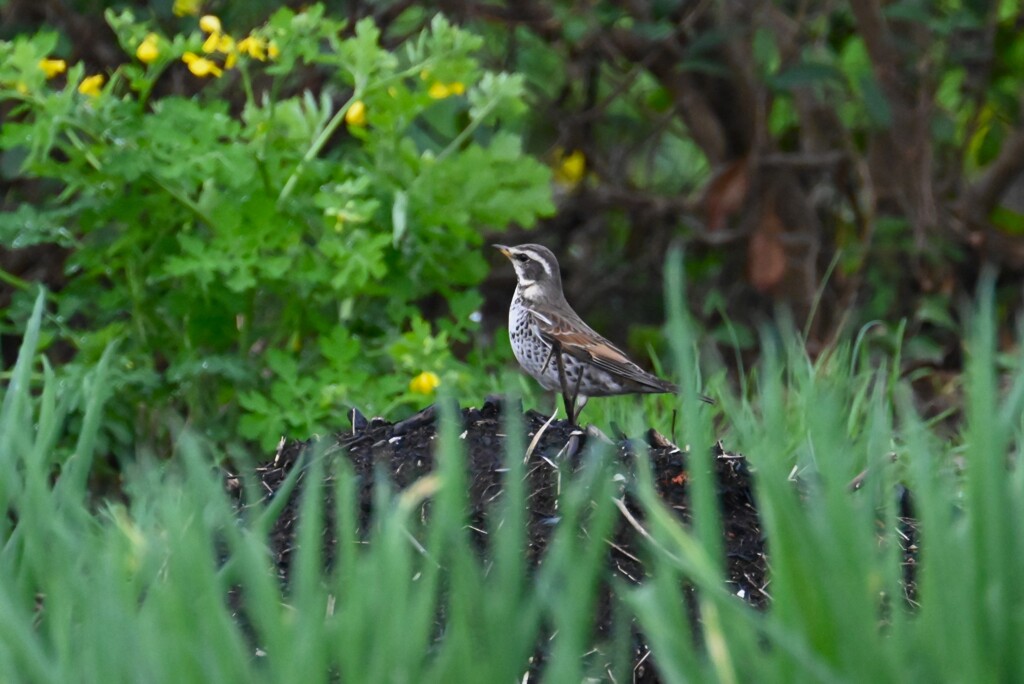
(424, 383)
(440, 90)
(52, 68)
(257, 48)
(217, 41)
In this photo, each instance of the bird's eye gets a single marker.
(522, 258)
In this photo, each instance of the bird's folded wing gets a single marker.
(576, 339)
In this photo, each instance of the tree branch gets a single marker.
(983, 195)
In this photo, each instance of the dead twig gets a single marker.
(536, 437)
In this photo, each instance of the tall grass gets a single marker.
(838, 610)
(137, 590)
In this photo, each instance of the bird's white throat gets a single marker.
(529, 290)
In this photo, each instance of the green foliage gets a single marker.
(837, 570)
(135, 590)
(259, 248)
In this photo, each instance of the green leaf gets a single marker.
(766, 52)
(28, 225)
(875, 103)
(399, 217)
(1007, 220)
(805, 74)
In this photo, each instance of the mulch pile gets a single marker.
(404, 450)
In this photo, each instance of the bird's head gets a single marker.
(536, 270)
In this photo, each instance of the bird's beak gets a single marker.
(504, 250)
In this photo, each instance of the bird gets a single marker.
(553, 344)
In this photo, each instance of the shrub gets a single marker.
(261, 248)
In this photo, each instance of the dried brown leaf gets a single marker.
(766, 255)
(726, 193)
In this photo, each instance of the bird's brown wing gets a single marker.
(576, 338)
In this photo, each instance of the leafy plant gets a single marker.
(260, 248)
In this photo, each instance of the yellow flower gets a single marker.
(218, 42)
(211, 42)
(149, 49)
(254, 47)
(273, 52)
(424, 383)
(570, 169)
(231, 60)
(439, 91)
(200, 66)
(184, 8)
(209, 23)
(52, 67)
(91, 85)
(356, 114)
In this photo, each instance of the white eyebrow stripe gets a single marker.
(543, 262)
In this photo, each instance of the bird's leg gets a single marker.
(570, 400)
(578, 405)
(572, 410)
(547, 360)
(561, 375)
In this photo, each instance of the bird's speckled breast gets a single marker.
(532, 352)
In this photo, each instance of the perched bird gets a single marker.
(554, 345)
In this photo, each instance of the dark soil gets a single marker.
(404, 451)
